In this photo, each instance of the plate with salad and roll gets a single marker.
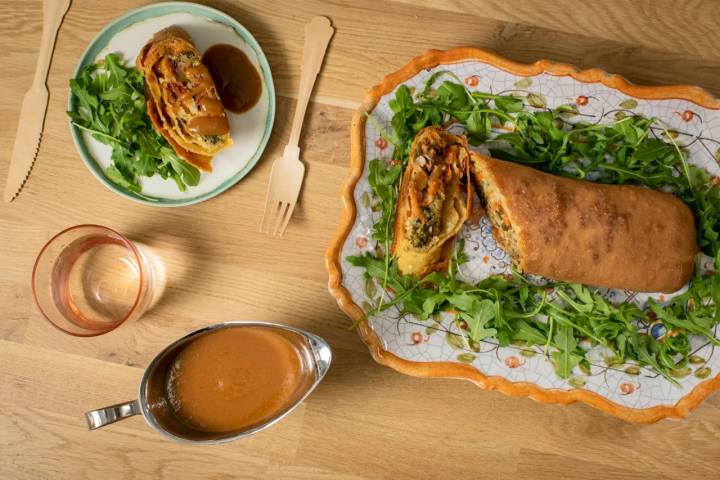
(172, 104)
(538, 230)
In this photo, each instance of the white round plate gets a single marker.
(250, 130)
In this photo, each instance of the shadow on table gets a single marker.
(169, 247)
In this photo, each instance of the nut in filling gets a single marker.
(431, 171)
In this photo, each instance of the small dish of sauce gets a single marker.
(233, 378)
(237, 80)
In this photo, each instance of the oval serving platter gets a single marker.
(409, 346)
(250, 130)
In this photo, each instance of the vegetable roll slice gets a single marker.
(434, 201)
(183, 102)
(615, 236)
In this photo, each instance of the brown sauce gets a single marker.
(233, 378)
(237, 80)
(208, 125)
(211, 107)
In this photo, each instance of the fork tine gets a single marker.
(286, 220)
(280, 216)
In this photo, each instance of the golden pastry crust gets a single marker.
(203, 162)
(615, 236)
(434, 201)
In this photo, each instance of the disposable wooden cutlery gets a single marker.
(288, 171)
(34, 106)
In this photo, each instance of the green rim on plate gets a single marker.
(157, 10)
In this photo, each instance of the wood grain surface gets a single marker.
(364, 420)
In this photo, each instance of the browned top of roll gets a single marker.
(615, 236)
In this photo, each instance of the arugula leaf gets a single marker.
(383, 181)
(453, 94)
(116, 176)
(509, 104)
(481, 312)
(117, 72)
(478, 127)
(402, 101)
(109, 104)
(430, 304)
(190, 175)
(462, 301)
(565, 359)
(84, 97)
(522, 330)
(646, 348)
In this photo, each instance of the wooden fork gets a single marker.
(288, 171)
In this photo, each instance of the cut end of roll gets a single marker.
(433, 203)
(499, 216)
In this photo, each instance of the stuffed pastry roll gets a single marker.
(434, 201)
(615, 236)
(183, 102)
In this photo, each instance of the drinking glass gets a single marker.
(89, 279)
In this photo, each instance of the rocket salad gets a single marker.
(109, 104)
(559, 318)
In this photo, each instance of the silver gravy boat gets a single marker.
(153, 404)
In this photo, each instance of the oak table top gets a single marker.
(364, 420)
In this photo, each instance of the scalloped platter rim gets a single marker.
(430, 349)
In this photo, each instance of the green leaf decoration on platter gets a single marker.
(466, 357)
(577, 382)
(434, 327)
(365, 200)
(629, 104)
(612, 360)
(696, 359)
(681, 372)
(367, 308)
(536, 100)
(370, 288)
(455, 341)
(523, 83)
(566, 112)
(670, 134)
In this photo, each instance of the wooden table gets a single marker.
(364, 421)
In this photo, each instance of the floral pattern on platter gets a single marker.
(440, 340)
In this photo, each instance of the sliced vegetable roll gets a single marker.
(615, 236)
(434, 201)
(183, 102)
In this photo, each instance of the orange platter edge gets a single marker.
(431, 59)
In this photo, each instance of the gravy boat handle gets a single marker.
(105, 416)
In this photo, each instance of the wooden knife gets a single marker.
(34, 106)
